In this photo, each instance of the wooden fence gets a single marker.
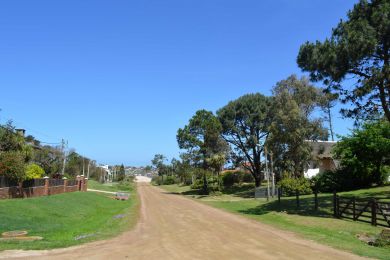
(370, 210)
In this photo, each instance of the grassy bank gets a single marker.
(315, 225)
(67, 219)
(113, 186)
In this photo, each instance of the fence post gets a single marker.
(46, 192)
(65, 183)
(335, 204)
(315, 200)
(85, 184)
(279, 193)
(354, 208)
(78, 182)
(373, 212)
(297, 197)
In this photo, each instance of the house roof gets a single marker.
(321, 149)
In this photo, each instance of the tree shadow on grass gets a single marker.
(242, 191)
(289, 205)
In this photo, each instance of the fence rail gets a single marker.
(5, 182)
(56, 182)
(370, 210)
(72, 183)
(33, 183)
(40, 187)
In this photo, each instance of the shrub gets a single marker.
(156, 180)
(34, 171)
(364, 156)
(12, 166)
(169, 180)
(247, 177)
(291, 185)
(229, 178)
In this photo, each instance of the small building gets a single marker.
(322, 159)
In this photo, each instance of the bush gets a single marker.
(229, 178)
(291, 185)
(247, 177)
(34, 171)
(364, 156)
(169, 180)
(156, 180)
(12, 166)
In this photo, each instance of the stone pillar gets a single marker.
(85, 184)
(46, 192)
(79, 182)
(65, 183)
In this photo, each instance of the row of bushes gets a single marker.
(165, 180)
(13, 166)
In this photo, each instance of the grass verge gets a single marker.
(113, 186)
(318, 225)
(67, 219)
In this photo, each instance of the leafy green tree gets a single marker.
(216, 163)
(9, 140)
(245, 124)
(158, 163)
(202, 138)
(34, 171)
(49, 158)
(365, 154)
(295, 101)
(358, 50)
(12, 166)
(121, 173)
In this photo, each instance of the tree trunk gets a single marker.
(205, 185)
(257, 181)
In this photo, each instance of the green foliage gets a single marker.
(201, 137)
(359, 48)
(229, 178)
(329, 181)
(291, 185)
(245, 122)
(121, 173)
(169, 180)
(34, 171)
(294, 103)
(9, 140)
(12, 166)
(365, 155)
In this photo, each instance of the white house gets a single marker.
(322, 159)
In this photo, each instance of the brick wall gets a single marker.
(15, 191)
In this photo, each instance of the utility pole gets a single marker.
(83, 165)
(64, 154)
(89, 164)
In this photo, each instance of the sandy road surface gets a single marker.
(174, 227)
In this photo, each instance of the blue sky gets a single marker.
(118, 78)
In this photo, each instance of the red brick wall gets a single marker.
(34, 192)
(14, 192)
(72, 188)
(56, 190)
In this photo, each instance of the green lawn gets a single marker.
(315, 225)
(114, 186)
(66, 219)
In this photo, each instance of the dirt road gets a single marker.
(174, 227)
